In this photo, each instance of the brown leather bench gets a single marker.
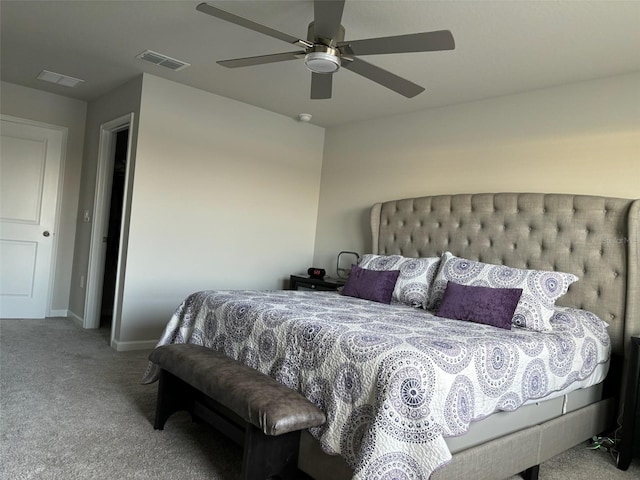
(248, 406)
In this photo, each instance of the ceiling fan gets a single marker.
(325, 49)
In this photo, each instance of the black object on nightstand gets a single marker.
(304, 282)
(630, 435)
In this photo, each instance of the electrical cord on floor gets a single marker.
(601, 443)
(615, 454)
(607, 442)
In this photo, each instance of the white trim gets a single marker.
(54, 262)
(76, 318)
(56, 222)
(58, 313)
(124, 234)
(136, 345)
(104, 178)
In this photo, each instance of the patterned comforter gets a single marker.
(393, 380)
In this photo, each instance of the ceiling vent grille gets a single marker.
(162, 60)
(59, 78)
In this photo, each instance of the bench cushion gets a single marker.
(255, 397)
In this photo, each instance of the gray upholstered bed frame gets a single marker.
(595, 238)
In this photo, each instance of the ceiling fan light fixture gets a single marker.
(322, 59)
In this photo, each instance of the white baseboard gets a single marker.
(135, 345)
(115, 344)
(76, 319)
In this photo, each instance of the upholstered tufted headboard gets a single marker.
(595, 238)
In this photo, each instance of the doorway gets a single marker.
(112, 237)
(107, 253)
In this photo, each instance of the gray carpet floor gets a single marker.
(73, 408)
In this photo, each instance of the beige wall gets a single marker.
(225, 196)
(579, 138)
(36, 105)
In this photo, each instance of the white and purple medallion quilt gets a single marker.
(393, 380)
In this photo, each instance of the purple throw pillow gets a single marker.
(373, 285)
(487, 305)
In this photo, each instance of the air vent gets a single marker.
(58, 78)
(162, 60)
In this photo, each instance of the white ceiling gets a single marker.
(502, 47)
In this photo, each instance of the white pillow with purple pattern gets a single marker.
(415, 279)
(540, 289)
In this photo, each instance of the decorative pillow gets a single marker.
(416, 276)
(371, 284)
(540, 289)
(490, 306)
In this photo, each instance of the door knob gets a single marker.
(46, 233)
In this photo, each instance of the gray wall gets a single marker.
(225, 196)
(39, 106)
(119, 102)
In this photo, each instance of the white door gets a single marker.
(30, 160)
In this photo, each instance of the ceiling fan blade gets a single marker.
(383, 77)
(243, 22)
(321, 86)
(413, 42)
(261, 59)
(327, 15)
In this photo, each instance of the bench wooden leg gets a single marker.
(173, 395)
(270, 456)
(531, 473)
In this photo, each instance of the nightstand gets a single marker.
(305, 282)
(630, 435)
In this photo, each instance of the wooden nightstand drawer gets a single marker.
(304, 282)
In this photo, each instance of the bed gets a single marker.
(386, 414)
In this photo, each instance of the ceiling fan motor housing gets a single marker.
(323, 56)
(332, 42)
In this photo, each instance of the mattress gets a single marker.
(534, 413)
(394, 381)
(497, 425)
